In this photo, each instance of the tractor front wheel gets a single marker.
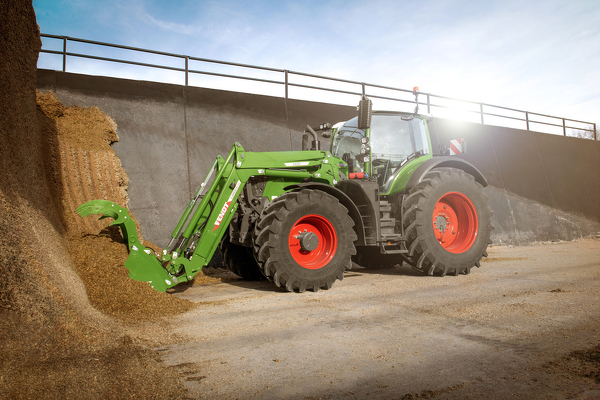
(239, 260)
(447, 223)
(304, 240)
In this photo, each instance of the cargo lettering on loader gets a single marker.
(380, 196)
(226, 206)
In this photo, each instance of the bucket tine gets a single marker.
(142, 265)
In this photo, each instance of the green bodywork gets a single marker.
(206, 218)
(399, 183)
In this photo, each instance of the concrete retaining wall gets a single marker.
(560, 172)
(169, 135)
(544, 187)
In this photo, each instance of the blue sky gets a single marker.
(539, 55)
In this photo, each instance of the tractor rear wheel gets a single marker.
(239, 260)
(447, 223)
(304, 240)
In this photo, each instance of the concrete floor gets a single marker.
(501, 332)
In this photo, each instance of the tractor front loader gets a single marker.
(232, 203)
(379, 197)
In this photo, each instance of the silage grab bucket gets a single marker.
(141, 263)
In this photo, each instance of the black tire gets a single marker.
(371, 258)
(239, 260)
(281, 253)
(458, 237)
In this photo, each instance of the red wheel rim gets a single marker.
(455, 222)
(327, 241)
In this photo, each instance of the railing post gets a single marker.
(564, 128)
(286, 83)
(64, 54)
(481, 112)
(527, 119)
(428, 105)
(595, 132)
(363, 89)
(187, 60)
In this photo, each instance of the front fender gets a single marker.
(344, 199)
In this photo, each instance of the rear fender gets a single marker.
(445, 162)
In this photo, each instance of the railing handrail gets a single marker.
(285, 82)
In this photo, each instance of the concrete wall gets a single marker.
(545, 187)
(560, 172)
(170, 135)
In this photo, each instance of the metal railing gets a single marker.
(482, 111)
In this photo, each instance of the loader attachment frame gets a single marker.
(142, 265)
(206, 218)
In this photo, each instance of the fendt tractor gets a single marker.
(379, 197)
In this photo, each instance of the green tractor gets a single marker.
(379, 197)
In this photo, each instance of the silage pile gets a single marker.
(55, 341)
(84, 167)
(83, 164)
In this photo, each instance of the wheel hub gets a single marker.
(444, 223)
(312, 241)
(441, 222)
(455, 222)
(308, 240)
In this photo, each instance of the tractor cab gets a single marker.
(384, 149)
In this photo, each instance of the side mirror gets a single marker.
(365, 111)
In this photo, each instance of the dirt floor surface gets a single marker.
(526, 325)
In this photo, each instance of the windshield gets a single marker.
(394, 141)
(346, 144)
